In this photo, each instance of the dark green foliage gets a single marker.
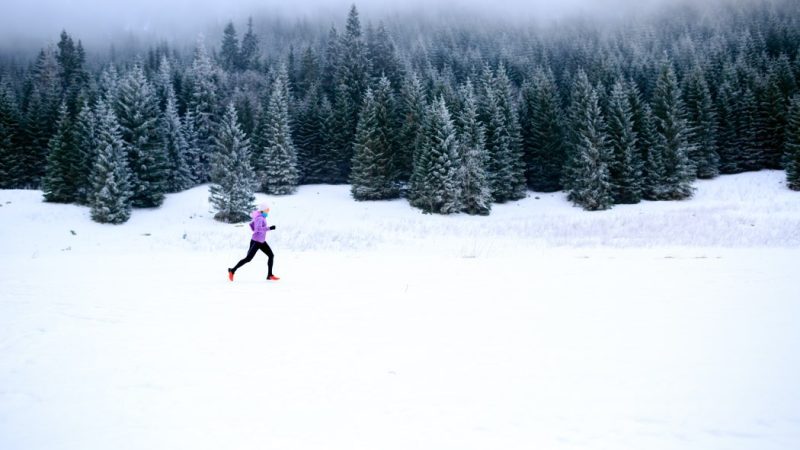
(229, 56)
(412, 118)
(792, 145)
(311, 131)
(9, 136)
(373, 175)
(669, 157)
(248, 56)
(626, 165)
(179, 176)
(702, 123)
(542, 132)
(61, 182)
(232, 178)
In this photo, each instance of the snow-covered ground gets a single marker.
(670, 325)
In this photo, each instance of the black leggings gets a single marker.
(251, 252)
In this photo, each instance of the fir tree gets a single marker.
(792, 145)
(231, 192)
(726, 126)
(579, 107)
(591, 186)
(412, 118)
(672, 146)
(111, 190)
(138, 115)
(277, 168)
(179, 176)
(229, 54)
(85, 135)
(625, 168)
(248, 57)
(702, 123)
(372, 176)
(382, 56)
(772, 121)
(60, 184)
(476, 195)
(9, 136)
(311, 138)
(203, 103)
(435, 182)
(542, 133)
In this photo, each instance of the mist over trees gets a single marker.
(453, 116)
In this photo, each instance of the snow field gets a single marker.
(396, 330)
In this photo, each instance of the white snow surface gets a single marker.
(662, 325)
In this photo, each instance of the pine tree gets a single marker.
(231, 192)
(412, 118)
(109, 84)
(476, 194)
(503, 140)
(60, 183)
(772, 123)
(591, 186)
(579, 106)
(9, 136)
(179, 176)
(382, 56)
(111, 190)
(672, 146)
(311, 138)
(138, 115)
(542, 133)
(85, 136)
(435, 182)
(373, 176)
(340, 138)
(40, 119)
(203, 104)
(248, 57)
(277, 169)
(193, 157)
(702, 123)
(726, 126)
(229, 56)
(625, 168)
(792, 145)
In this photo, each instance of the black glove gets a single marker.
(272, 227)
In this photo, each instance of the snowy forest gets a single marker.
(453, 115)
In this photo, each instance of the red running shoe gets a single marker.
(272, 278)
(230, 274)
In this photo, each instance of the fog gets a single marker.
(40, 21)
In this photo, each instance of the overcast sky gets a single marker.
(92, 19)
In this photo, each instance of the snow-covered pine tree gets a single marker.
(277, 170)
(110, 201)
(9, 135)
(340, 138)
(109, 84)
(248, 56)
(672, 146)
(179, 175)
(476, 195)
(749, 154)
(542, 132)
(382, 56)
(792, 145)
(232, 178)
(60, 183)
(579, 106)
(591, 186)
(412, 118)
(372, 176)
(229, 53)
(203, 104)
(503, 141)
(702, 122)
(138, 116)
(626, 166)
(435, 183)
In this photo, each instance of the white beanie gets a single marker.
(263, 206)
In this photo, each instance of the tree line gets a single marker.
(453, 117)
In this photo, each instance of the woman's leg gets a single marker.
(265, 248)
(251, 252)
